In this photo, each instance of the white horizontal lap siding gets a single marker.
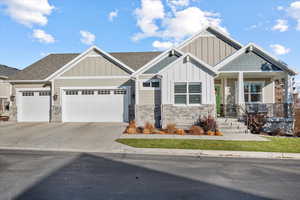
(186, 72)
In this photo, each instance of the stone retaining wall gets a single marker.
(148, 113)
(185, 115)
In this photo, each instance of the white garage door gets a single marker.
(101, 105)
(34, 106)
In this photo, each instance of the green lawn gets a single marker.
(285, 145)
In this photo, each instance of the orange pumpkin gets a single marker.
(180, 131)
(210, 133)
(218, 133)
(196, 130)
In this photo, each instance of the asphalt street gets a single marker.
(72, 176)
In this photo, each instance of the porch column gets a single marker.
(241, 96)
(288, 98)
(224, 94)
(224, 91)
(288, 95)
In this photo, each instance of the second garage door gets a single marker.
(33, 106)
(89, 105)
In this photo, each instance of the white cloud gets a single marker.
(147, 14)
(294, 11)
(279, 49)
(87, 37)
(42, 36)
(281, 25)
(28, 12)
(112, 15)
(154, 21)
(189, 21)
(179, 2)
(43, 54)
(162, 45)
(280, 8)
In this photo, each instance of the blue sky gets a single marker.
(32, 29)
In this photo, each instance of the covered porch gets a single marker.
(238, 91)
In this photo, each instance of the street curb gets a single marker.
(174, 152)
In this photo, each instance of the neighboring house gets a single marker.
(5, 87)
(195, 78)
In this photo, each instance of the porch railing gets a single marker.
(264, 117)
(272, 110)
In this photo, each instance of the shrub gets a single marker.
(196, 130)
(155, 131)
(139, 130)
(132, 124)
(131, 131)
(146, 131)
(278, 132)
(180, 131)
(149, 126)
(208, 123)
(171, 128)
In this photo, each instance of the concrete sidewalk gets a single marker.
(173, 152)
(226, 137)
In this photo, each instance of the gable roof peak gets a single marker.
(215, 31)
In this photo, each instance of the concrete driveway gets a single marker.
(67, 136)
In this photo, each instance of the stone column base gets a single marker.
(56, 114)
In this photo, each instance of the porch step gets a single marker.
(236, 131)
(231, 126)
(227, 120)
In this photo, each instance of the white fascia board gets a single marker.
(195, 36)
(260, 52)
(82, 56)
(94, 77)
(201, 62)
(282, 66)
(32, 89)
(27, 81)
(156, 60)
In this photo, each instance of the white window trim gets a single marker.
(262, 91)
(187, 94)
(149, 88)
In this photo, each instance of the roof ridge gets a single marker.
(1, 65)
(137, 52)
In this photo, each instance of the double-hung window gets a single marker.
(187, 93)
(253, 92)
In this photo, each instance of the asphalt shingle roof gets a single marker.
(53, 62)
(7, 71)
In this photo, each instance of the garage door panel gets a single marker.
(34, 106)
(100, 106)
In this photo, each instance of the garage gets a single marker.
(34, 105)
(95, 105)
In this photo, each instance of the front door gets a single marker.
(218, 99)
